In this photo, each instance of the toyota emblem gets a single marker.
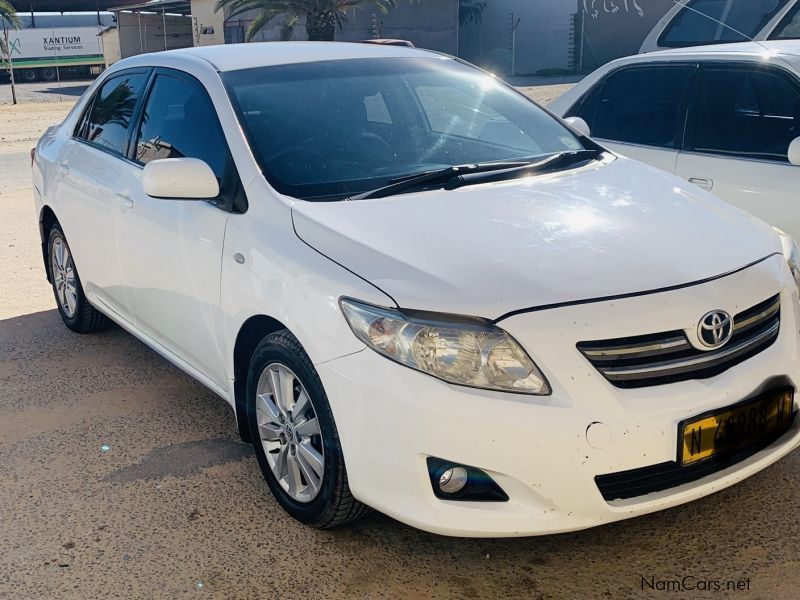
(715, 329)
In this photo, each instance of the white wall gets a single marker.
(209, 26)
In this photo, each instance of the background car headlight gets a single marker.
(464, 352)
(791, 253)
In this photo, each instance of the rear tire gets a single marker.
(293, 431)
(75, 310)
(48, 74)
(29, 76)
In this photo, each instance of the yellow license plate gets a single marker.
(736, 427)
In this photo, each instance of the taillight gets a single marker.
(33, 156)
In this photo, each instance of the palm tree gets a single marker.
(322, 16)
(9, 13)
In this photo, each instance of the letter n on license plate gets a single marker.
(736, 427)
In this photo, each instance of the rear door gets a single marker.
(640, 111)
(170, 251)
(741, 121)
(89, 165)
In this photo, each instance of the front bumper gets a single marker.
(391, 419)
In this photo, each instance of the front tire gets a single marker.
(75, 310)
(295, 437)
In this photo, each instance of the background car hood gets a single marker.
(606, 229)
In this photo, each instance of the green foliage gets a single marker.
(322, 16)
(9, 14)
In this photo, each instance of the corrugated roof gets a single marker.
(26, 6)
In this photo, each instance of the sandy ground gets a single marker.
(176, 507)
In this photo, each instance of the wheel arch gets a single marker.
(252, 331)
(47, 218)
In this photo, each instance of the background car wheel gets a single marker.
(75, 310)
(295, 437)
(48, 74)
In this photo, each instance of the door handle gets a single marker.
(125, 201)
(62, 167)
(702, 182)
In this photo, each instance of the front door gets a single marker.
(171, 250)
(639, 111)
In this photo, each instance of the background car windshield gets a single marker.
(328, 130)
(744, 20)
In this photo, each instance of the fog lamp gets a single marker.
(453, 480)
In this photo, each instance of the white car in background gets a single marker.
(726, 118)
(419, 291)
(700, 22)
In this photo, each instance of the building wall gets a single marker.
(431, 24)
(208, 25)
(111, 51)
(616, 28)
(144, 32)
(543, 36)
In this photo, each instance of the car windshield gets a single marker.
(329, 130)
(719, 21)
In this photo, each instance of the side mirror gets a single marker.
(179, 179)
(579, 125)
(794, 152)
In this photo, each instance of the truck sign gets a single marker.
(51, 47)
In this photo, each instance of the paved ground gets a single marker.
(43, 92)
(176, 507)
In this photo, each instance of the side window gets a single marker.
(693, 27)
(789, 27)
(180, 121)
(108, 121)
(745, 111)
(639, 105)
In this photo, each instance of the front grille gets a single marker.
(657, 478)
(668, 357)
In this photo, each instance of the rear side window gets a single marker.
(698, 23)
(180, 121)
(640, 105)
(751, 112)
(108, 121)
(789, 27)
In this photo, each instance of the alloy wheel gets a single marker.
(63, 269)
(290, 433)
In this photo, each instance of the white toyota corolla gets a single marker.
(421, 292)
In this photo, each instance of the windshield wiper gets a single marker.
(438, 176)
(470, 174)
(556, 162)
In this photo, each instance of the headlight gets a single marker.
(791, 253)
(467, 352)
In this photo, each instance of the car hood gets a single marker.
(610, 228)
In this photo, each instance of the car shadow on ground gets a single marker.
(65, 89)
(62, 395)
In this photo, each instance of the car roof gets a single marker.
(231, 57)
(785, 47)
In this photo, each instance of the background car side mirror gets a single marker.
(579, 125)
(180, 179)
(794, 152)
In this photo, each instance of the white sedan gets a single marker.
(725, 117)
(419, 291)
